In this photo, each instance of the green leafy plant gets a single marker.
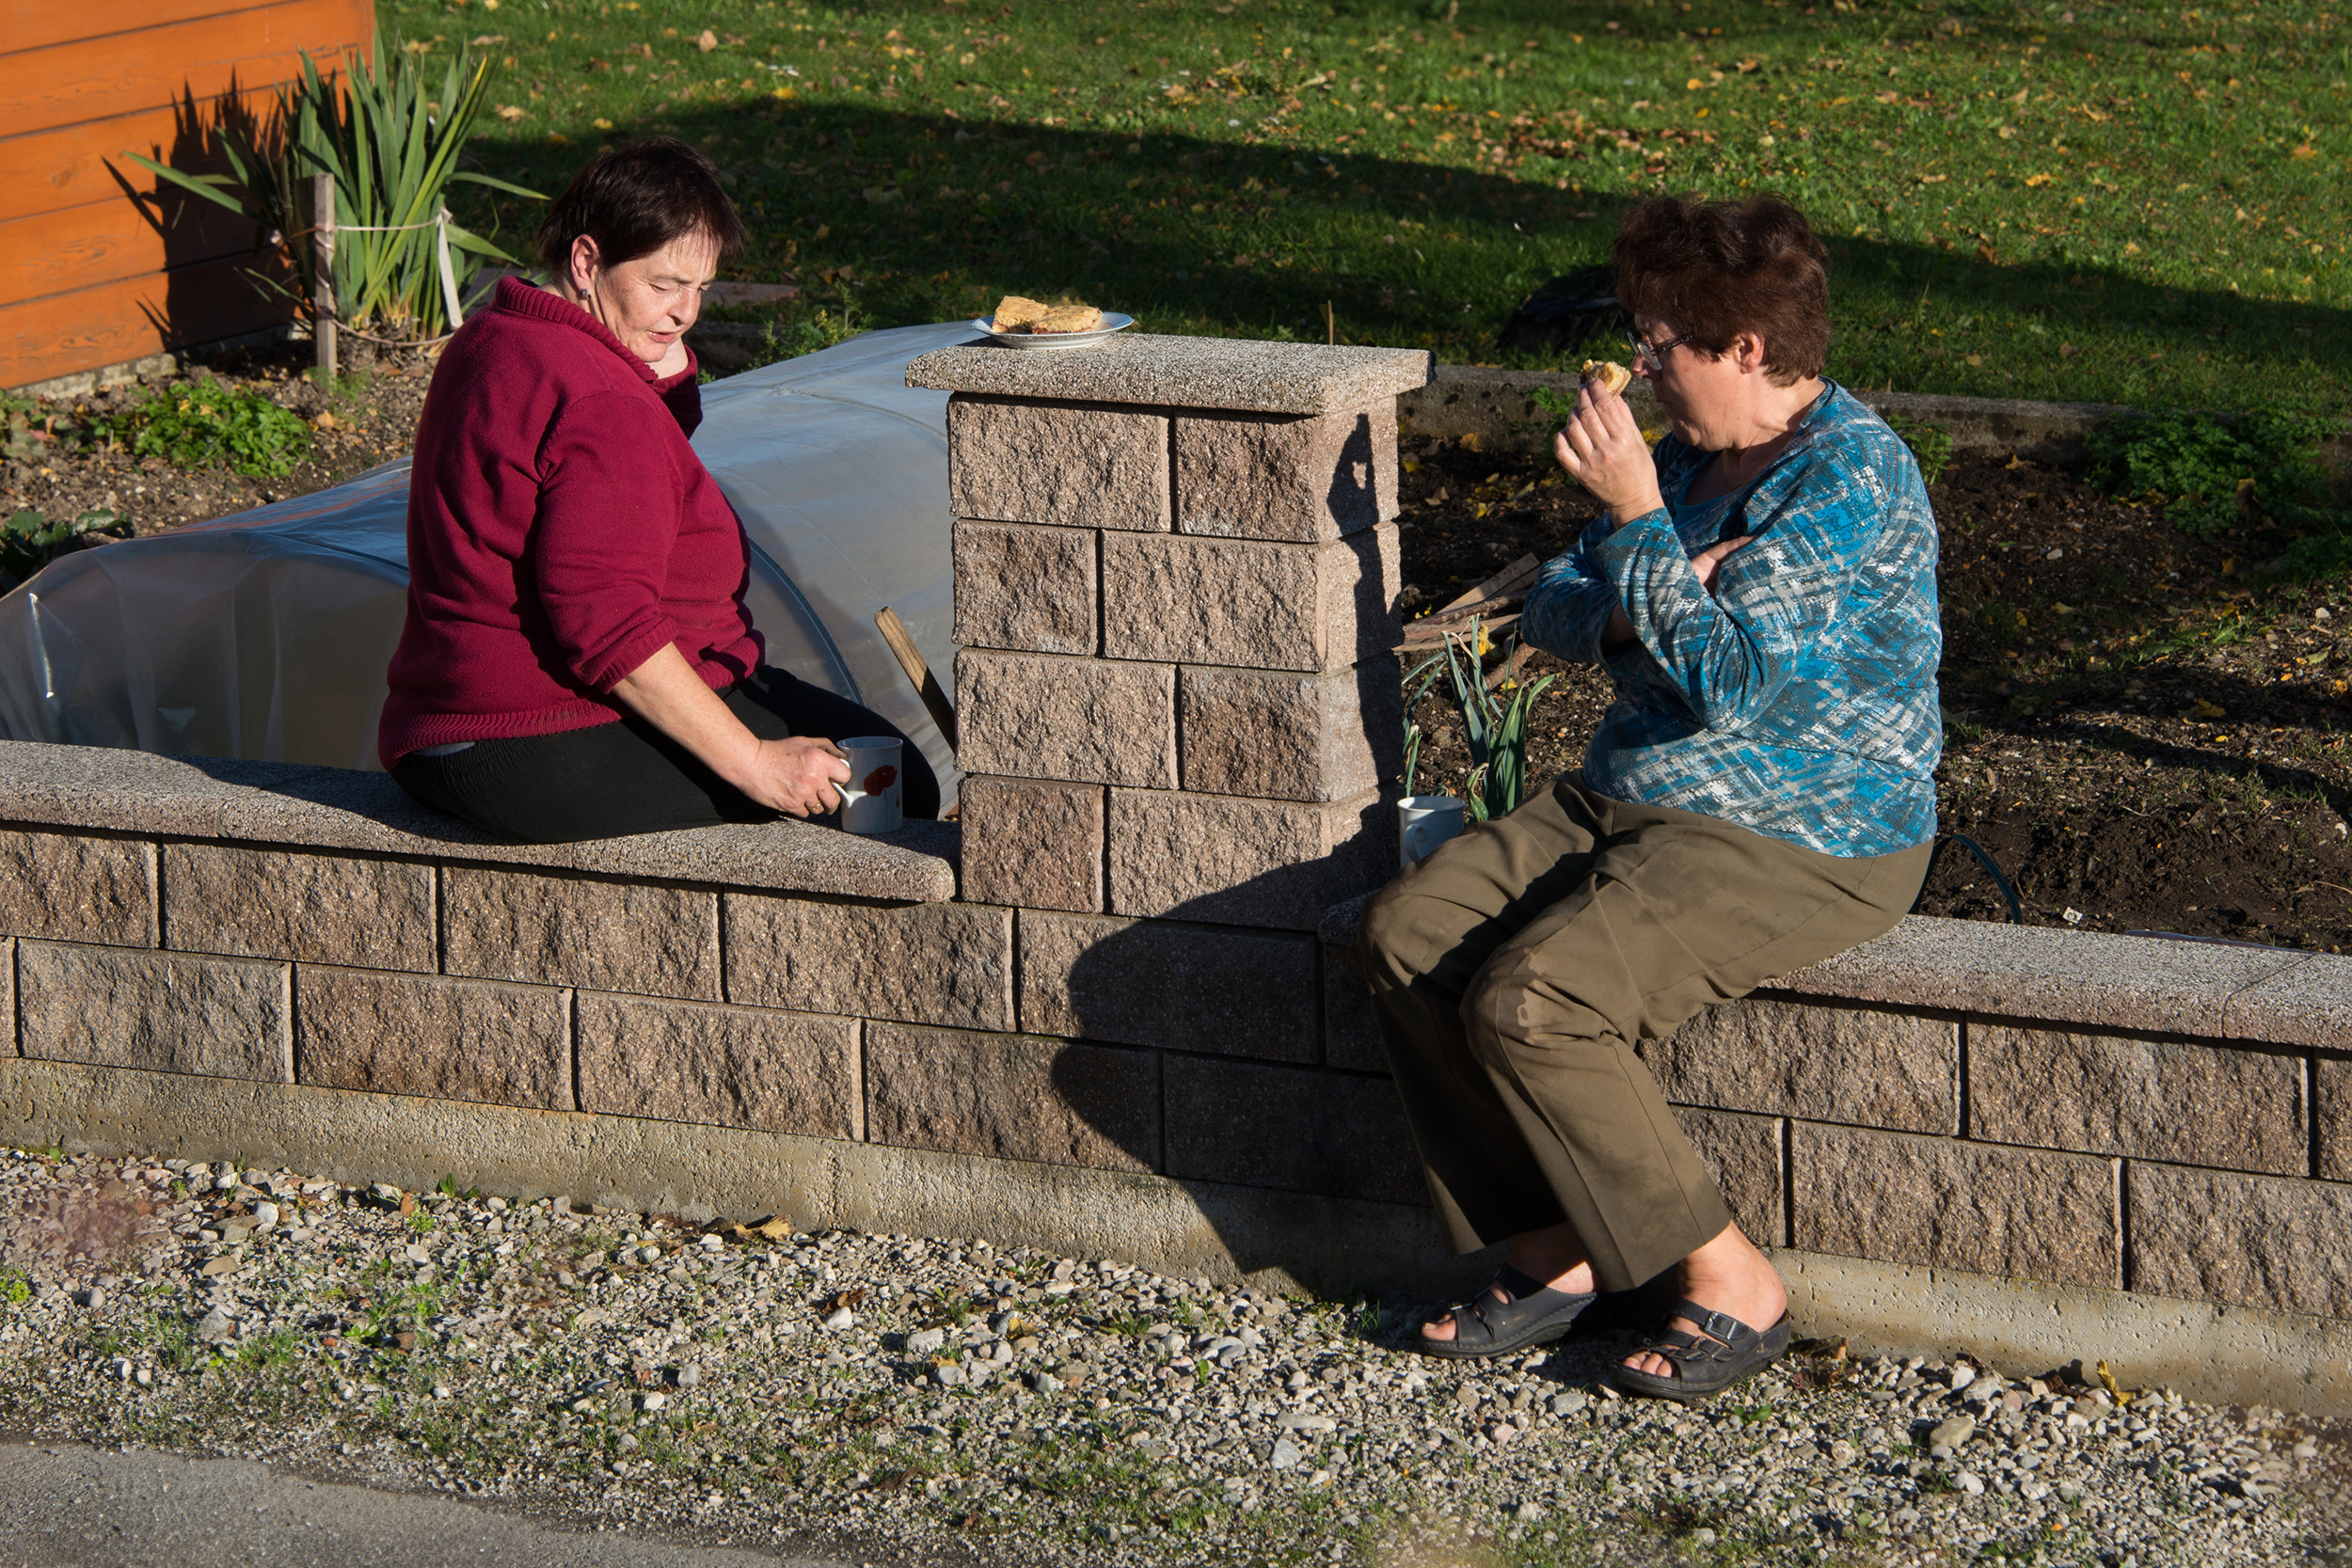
(1496, 729)
(29, 541)
(392, 140)
(197, 424)
(1932, 444)
(14, 1288)
(2207, 475)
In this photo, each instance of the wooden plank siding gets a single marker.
(98, 265)
(69, 165)
(116, 323)
(97, 78)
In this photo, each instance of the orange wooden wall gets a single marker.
(90, 276)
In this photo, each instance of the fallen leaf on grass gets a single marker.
(708, 40)
(2038, 179)
(512, 111)
(2210, 710)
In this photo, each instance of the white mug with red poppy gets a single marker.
(869, 802)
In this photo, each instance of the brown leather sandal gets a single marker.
(1535, 1315)
(1725, 1351)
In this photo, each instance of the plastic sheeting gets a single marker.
(266, 634)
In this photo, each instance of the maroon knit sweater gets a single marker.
(560, 531)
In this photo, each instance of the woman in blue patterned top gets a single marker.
(1760, 796)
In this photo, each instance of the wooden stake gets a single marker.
(925, 685)
(322, 279)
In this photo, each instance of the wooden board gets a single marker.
(39, 23)
(43, 171)
(55, 253)
(111, 323)
(101, 78)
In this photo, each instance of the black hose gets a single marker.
(2016, 912)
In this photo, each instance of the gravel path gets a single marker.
(932, 1401)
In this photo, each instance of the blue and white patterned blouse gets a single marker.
(1799, 699)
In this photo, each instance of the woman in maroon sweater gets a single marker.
(577, 661)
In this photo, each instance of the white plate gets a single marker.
(1113, 322)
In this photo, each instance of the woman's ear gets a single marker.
(582, 263)
(1747, 351)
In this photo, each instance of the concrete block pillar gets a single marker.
(1176, 583)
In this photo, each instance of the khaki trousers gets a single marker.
(1514, 971)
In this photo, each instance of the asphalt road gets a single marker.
(63, 1505)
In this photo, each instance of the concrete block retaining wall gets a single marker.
(1117, 1010)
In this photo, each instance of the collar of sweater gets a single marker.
(527, 299)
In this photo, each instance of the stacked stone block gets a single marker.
(1176, 581)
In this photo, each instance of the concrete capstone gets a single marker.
(108, 788)
(1163, 372)
(2058, 976)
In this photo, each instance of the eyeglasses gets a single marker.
(1654, 354)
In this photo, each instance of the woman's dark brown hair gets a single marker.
(1716, 269)
(634, 199)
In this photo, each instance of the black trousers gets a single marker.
(610, 780)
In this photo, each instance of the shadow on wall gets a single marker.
(223, 274)
(1232, 1058)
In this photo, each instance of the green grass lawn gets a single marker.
(2106, 202)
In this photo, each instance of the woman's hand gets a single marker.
(1601, 447)
(800, 775)
(1710, 561)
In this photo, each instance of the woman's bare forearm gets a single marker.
(667, 693)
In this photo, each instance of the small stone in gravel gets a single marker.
(1285, 1456)
(1953, 1433)
(924, 1341)
(839, 1319)
(215, 1325)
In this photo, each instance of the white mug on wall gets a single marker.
(869, 802)
(1426, 821)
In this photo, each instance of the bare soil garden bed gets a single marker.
(2143, 731)
(56, 468)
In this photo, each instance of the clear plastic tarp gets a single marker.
(265, 635)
